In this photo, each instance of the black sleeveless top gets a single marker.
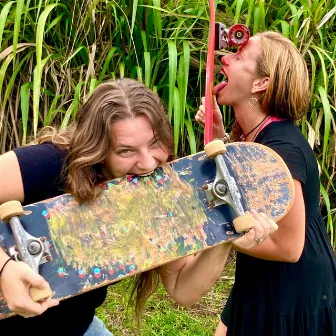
(41, 167)
(271, 298)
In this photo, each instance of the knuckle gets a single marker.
(258, 229)
(265, 224)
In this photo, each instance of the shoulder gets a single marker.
(45, 151)
(42, 159)
(285, 135)
(281, 131)
(285, 138)
(41, 169)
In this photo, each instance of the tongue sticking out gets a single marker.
(219, 87)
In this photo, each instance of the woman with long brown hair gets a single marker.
(287, 285)
(121, 129)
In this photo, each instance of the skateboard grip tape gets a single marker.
(38, 294)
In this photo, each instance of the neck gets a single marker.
(249, 118)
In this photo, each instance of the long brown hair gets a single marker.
(287, 95)
(88, 142)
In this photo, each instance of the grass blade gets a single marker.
(38, 69)
(17, 23)
(3, 18)
(172, 52)
(24, 101)
(327, 121)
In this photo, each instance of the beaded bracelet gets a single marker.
(3, 266)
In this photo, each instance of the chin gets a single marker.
(222, 101)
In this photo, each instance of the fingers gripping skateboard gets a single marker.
(9, 212)
(224, 188)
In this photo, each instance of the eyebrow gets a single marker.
(129, 147)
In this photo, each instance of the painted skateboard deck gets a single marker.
(140, 223)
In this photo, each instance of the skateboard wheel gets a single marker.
(214, 148)
(244, 223)
(10, 209)
(38, 295)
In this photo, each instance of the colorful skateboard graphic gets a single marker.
(140, 223)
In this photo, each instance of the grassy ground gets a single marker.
(164, 317)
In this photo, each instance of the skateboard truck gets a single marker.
(31, 250)
(235, 35)
(224, 189)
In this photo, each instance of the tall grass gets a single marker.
(53, 53)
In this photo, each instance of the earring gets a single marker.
(253, 101)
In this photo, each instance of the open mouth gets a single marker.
(221, 85)
(146, 174)
(225, 79)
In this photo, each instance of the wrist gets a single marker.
(218, 130)
(218, 252)
(4, 265)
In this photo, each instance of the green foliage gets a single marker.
(53, 54)
(163, 317)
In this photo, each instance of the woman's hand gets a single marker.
(15, 281)
(264, 227)
(218, 127)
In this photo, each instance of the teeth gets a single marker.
(146, 174)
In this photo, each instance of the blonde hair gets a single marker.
(288, 94)
(88, 142)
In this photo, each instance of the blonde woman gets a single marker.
(286, 286)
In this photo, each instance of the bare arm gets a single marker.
(188, 279)
(287, 243)
(11, 187)
(17, 277)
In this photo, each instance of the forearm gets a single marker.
(187, 283)
(218, 131)
(271, 249)
(287, 243)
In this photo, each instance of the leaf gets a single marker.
(24, 101)
(38, 69)
(3, 18)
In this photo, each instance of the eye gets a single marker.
(155, 143)
(125, 152)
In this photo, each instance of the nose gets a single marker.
(146, 162)
(224, 60)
